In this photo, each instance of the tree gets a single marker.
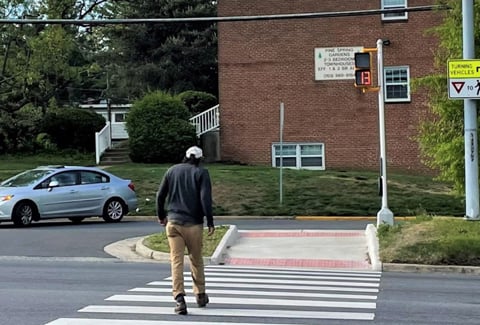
(172, 57)
(441, 137)
(39, 62)
(69, 64)
(197, 101)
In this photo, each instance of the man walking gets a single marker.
(189, 192)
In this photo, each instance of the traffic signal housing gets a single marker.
(363, 70)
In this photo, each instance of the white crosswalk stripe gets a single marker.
(266, 293)
(245, 295)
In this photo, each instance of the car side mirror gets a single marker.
(53, 184)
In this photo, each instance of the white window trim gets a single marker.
(298, 155)
(396, 100)
(404, 17)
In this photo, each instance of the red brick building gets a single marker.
(328, 122)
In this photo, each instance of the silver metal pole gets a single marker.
(282, 109)
(109, 112)
(384, 216)
(470, 121)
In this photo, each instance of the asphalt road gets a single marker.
(53, 269)
(61, 238)
(428, 298)
(35, 292)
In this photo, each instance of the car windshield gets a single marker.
(26, 178)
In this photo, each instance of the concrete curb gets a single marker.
(125, 250)
(373, 247)
(304, 218)
(154, 218)
(347, 218)
(218, 257)
(419, 268)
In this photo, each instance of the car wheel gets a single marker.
(76, 220)
(113, 211)
(23, 214)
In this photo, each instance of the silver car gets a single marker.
(72, 192)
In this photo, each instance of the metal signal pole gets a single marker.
(384, 215)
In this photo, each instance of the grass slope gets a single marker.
(255, 190)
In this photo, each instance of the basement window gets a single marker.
(299, 155)
(394, 4)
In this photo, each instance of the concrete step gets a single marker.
(116, 153)
(115, 156)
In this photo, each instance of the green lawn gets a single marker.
(159, 241)
(254, 190)
(432, 241)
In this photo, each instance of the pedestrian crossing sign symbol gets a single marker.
(464, 79)
(464, 88)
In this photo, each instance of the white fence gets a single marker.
(103, 141)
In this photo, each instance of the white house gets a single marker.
(118, 114)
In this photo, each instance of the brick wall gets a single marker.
(263, 63)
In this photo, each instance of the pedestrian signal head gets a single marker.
(363, 69)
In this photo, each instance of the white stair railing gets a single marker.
(103, 141)
(207, 120)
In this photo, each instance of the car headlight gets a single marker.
(6, 197)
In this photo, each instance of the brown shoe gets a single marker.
(181, 307)
(202, 300)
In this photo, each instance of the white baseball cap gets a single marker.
(195, 151)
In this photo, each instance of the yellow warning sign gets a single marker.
(463, 69)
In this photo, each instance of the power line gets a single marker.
(128, 21)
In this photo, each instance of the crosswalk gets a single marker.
(245, 295)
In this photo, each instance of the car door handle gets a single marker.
(73, 191)
(105, 188)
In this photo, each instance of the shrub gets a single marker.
(45, 143)
(158, 129)
(197, 101)
(72, 128)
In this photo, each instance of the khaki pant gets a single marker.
(191, 237)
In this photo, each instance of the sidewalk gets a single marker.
(332, 249)
(300, 248)
(326, 249)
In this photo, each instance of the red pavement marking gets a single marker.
(293, 262)
(288, 262)
(266, 234)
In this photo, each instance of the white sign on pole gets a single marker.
(335, 63)
(464, 88)
(464, 79)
